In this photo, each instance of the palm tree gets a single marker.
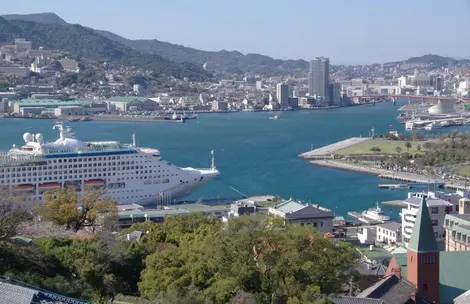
(408, 146)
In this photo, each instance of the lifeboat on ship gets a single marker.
(94, 182)
(49, 186)
(26, 187)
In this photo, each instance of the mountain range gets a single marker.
(49, 30)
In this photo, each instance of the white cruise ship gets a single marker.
(129, 174)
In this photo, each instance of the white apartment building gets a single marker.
(439, 204)
(389, 233)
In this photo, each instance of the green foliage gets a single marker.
(446, 149)
(245, 259)
(375, 149)
(189, 259)
(65, 207)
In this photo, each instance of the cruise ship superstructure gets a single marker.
(127, 173)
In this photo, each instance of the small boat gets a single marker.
(27, 187)
(275, 117)
(401, 186)
(74, 119)
(49, 185)
(371, 216)
(94, 182)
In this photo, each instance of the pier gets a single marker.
(394, 186)
(395, 203)
(328, 151)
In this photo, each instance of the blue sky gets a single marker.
(347, 31)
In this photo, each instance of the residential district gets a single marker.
(35, 82)
(421, 259)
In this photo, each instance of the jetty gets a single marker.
(395, 203)
(394, 186)
(328, 151)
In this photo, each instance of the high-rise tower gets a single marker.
(319, 77)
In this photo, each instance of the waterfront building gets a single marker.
(439, 203)
(124, 103)
(219, 106)
(37, 106)
(334, 93)
(319, 77)
(283, 94)
(47, 105)
(304, 214)
(69, 111)
(294, 102)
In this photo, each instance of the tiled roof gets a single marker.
(391, 289)
(16, 292)
(289, 206)
(422, 238)
(354, 300)
(368, 269)
(10, 294)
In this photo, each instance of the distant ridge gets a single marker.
(220, 62)
(45, 18)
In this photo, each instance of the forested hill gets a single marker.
(87, 43)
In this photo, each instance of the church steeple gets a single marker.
(423, 256)
(422, 238)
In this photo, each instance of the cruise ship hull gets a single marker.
(177, 194)
(126, 173)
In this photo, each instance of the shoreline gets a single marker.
(387, 174)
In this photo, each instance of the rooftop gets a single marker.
(13, 291)
(31, 102)
(394, 226)
(432, 202)
(127, 99)
(294, 209)
(392, 290)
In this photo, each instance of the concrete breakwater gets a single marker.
(382, 173)
(329, 150)
(126, 118)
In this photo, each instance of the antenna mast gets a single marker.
(213, 160)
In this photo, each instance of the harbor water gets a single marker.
(255, 155)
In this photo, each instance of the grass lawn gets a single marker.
(386, 147)
(358, 163)
(464, 170)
